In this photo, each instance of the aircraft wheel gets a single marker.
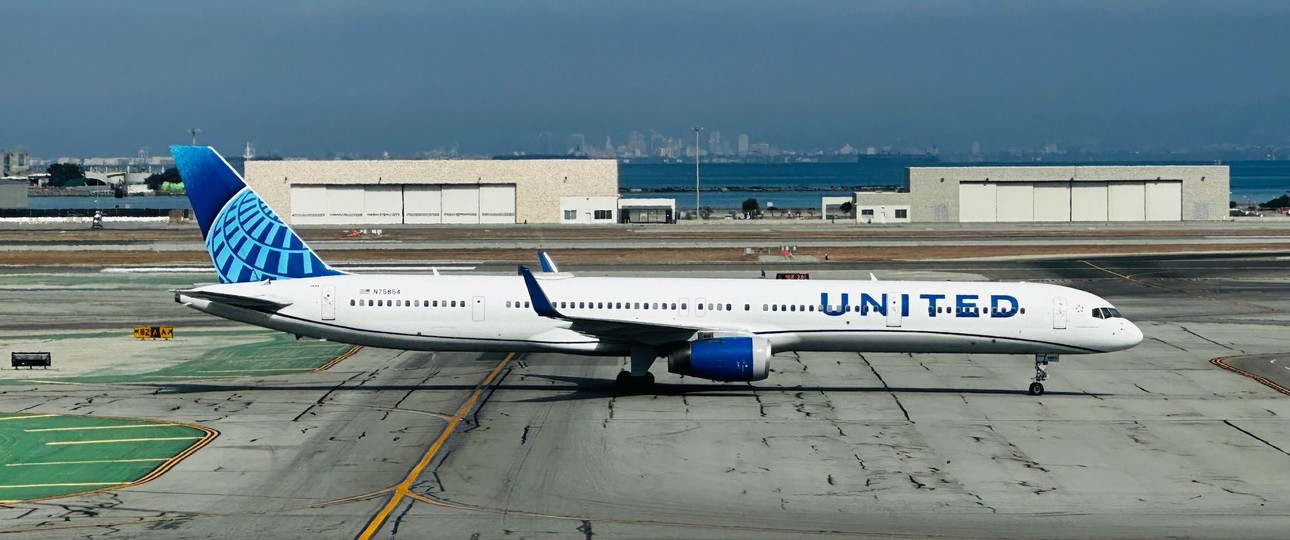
(1036, 389)
(624, 378)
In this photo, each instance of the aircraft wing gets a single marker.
(607, 329)
(260, 303)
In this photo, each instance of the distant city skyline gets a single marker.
(327, 78)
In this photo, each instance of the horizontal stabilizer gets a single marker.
(261, 303)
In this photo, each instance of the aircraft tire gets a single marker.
(1036, 389)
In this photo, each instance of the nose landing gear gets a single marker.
(1041, 372)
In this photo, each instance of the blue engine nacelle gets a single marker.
(735, 358)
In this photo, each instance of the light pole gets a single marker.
(697, 213)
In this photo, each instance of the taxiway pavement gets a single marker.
(1154, 441)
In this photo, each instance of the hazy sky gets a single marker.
(309, 77)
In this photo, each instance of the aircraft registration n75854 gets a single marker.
(715, 329)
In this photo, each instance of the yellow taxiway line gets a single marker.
(351, 352)
(35, 463)
(403, 489)
(1222, 362)
(138, 439)
(64, 484)
(41, 430)
(26, 416)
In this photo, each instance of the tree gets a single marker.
(846, 207)
(61, 173)
(705, 212)
(1279, 202)
(168, 176)
(751, 208)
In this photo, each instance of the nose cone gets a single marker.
(1131, 335)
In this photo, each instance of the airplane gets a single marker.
(713, 329)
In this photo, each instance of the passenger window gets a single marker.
(792, 308)
(774, 307)
(655, 305)
(351, 301)
(747, 307)
(1023, 311)
(727, 307)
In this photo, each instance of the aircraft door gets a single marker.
(328, 302)
(477, 308)
(893, 310)
(1059, 313)
(682, 308)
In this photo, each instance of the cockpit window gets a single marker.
(1106, 313)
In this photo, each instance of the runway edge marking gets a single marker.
(1222, 362)
(402, 490)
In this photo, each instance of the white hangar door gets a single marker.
(1164, 200)
(977, 202)
(1126, 201)
(1016, 202)
(309, 205)
(383, 205)
(460, 203)
(345, 205)
(1053, 201)
(1088, 201)
(497, 203)
(422, 205)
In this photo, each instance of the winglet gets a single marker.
(541, 304)
(547, 263)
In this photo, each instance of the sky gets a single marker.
(321, 77)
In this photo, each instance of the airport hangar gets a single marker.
(430, 192)
(1069, 193)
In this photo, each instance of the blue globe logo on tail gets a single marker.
(246, 240)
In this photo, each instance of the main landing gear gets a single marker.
(1041, 372)
(639, 379)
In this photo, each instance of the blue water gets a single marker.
(1256, 181)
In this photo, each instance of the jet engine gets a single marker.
(733, 358)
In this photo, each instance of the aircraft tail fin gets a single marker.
(246, 240)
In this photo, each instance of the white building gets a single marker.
(1073, 193)
(389, 192)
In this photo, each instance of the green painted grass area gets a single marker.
(53, 455)
(274, 354)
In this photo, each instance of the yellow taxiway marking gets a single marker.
(25, 416)
(39, 430)
(403, 489)
(351, 352)
(1222, 362)
(141, 439)
(20, 486)
(34, 463)
(253, 370)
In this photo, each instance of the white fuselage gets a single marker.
(494, 313)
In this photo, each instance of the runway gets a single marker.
(1155, 441)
